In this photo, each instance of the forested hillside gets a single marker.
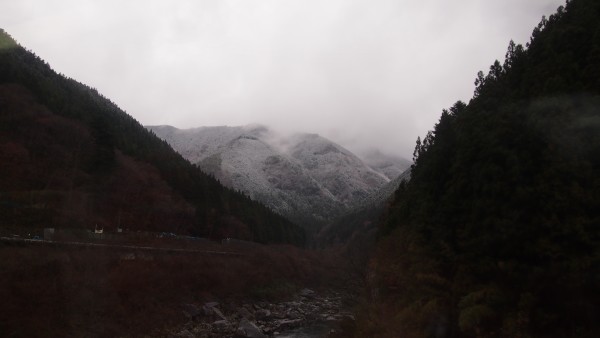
(71, 158)
(497, 234)
(304, 177)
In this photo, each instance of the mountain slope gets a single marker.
(337, 169)
(497, 234)
(390, 166)
(77, 159)
(53, 174)
(305, 177)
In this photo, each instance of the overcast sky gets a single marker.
(364, 73)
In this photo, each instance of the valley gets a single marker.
(111, 228)
(94, 289)
(304, 177)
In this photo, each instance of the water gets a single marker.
(314, 331)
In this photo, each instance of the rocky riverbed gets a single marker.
(308, 314)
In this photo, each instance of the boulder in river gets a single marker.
(245, 313)
(207, 308)
(247, 329)
(307, 293)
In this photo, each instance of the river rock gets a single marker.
(219, 313)
(308, 293)
(207, 308)
(262, 319)
(244, 313)
(262, 314)
(331, 319)
(260, 305)
(247, 329)
(221, 325)
(191, 311)
(184, 334)
(287, 324)
(294, 314)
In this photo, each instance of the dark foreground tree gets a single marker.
(497, 234)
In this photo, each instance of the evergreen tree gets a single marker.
(497, 234)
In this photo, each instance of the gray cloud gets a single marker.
(364, 73)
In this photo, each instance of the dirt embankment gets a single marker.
(58, 291)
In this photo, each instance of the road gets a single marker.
(27, 241)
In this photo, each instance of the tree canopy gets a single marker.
(497, 234)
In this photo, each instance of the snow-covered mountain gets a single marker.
(305, 177)
(383, 195)
(388, 165)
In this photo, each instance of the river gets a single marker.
(319, 330)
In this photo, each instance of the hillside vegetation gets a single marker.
(71, 158)
(497, 234)
(304, 177)
(75, 291)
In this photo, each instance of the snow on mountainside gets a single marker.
(337, 169)
(305, 177)
(390, 166)
(383, 195)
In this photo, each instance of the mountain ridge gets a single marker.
(303, 176)
(97, 161)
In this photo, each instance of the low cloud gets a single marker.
(367, 74)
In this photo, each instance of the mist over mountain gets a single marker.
(305, 177)
(492, 232)
(71, 158)
(389, 165)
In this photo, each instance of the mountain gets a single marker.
(72, 159)
(356, 228)
(305, 177)
(387, 165)
(385, 193)
(497, 233)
